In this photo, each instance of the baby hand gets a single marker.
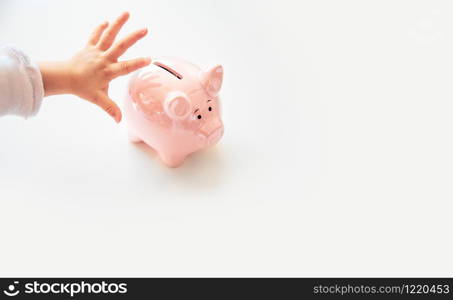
(90, 71)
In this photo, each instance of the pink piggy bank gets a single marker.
(173, 107)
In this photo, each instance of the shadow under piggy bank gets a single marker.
(202, 169)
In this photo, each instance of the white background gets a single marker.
(336, 161)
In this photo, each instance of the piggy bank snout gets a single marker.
(209, 127)
(215, 136)
(211, 131)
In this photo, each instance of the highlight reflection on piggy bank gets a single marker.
(173, 107)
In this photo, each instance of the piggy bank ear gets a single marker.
(177, 106)
(212, 80)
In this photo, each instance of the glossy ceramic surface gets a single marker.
(173, 107)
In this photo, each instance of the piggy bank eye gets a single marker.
(199, 117)
(210, 108)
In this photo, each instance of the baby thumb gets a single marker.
(103, 101)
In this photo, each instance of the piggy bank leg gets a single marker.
(133, 138)
(172, 160)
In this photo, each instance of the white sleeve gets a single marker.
(21, 86)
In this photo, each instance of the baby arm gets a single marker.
(90, 71)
